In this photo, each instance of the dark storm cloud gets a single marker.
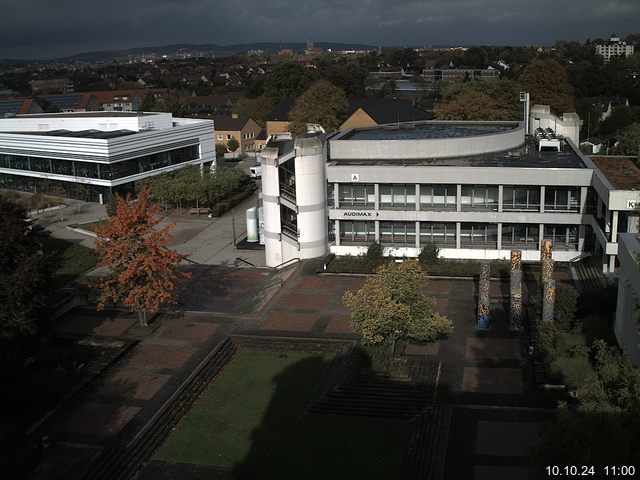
(45, 28)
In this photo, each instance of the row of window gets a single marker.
(101, 171)
(472, 235)
(484, 197)
(245, 136)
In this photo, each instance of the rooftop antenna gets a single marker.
(524, 97)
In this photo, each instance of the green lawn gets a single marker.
(75, 259)
(90, 226)
(251, 419)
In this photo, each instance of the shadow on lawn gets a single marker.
(292, 444)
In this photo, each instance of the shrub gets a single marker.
(428, 255)
(218, 209)
(374, 254)
(566, 305)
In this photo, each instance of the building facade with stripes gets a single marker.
(102, 152)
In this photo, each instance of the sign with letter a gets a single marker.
(355, 177)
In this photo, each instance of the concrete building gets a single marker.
(475, 189)
(626, 326)
(613, 48)
(103, 152)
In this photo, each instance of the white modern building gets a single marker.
(104, 151)
(477, 190)
(613, 48)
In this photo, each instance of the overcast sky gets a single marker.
(52, 28)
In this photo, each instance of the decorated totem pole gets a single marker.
(484, 320)
(515, 312)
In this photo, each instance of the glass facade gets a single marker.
(357, 233)
(479, 235)
(480, 197)
(361, 196)
(398, 234)
(438, 197)
(441, 234)
(562, 199)
(100, 171)
(398, 195)
(564, 237)
(520, 198)
(520, 236)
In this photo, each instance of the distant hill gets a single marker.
(212, 48)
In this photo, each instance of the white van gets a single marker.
(256, 171)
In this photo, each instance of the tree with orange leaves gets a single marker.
(143, 270)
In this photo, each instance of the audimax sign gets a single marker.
(356, 213)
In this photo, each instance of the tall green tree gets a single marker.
(629, 142)
(287, 80)
(322, 103)
(472, 105)
(391, 305)
(547, 82)
(25, 271)
(257, 108)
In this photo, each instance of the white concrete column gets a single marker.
(337, 232)
(458, 231)
(612, 263)
(458, 198)
(376, 194)
(500, 200)
(542, 193)
(614, 226)
(377, 231)
(583, 200)
(417, 234)
(541, 237)
(417, 197)
(500, 234)
(336, 195)
(581, 236)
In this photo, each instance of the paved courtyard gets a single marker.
(485, 375)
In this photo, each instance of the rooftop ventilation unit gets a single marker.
(548, 139)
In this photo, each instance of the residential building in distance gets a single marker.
(52, 86)
(98, 153)
(244, 129)
(369, 112)
(613, 48)
(477, 190)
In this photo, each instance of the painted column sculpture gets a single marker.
(547, 269)
(515, 313)
(484, 320)
(548, 300)
(545, 252)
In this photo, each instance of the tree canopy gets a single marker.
(322, 103)
(143, 271)
(257, 108)
(25, 271)
(192, 186)
(547, 82)
(629, 142)
(391, 305)
(494, 99)
(287, 80)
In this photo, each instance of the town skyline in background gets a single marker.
(37, 30)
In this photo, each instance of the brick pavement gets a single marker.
(477, 367)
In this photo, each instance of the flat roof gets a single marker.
(526, 156)
(409, 131)
(98, 134)
(622, 172)
(90, 114)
